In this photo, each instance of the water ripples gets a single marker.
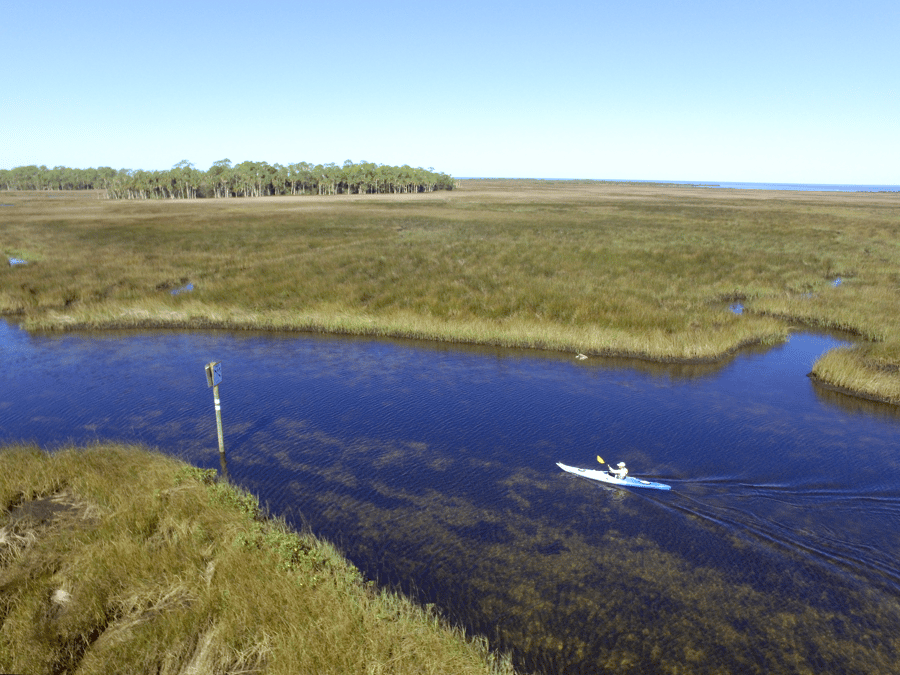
(434, 468)
(837, 535)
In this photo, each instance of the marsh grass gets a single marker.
(579, 266)
(868, 306)
(146, 564)
(867, 371)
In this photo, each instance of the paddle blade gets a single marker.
(600, 459)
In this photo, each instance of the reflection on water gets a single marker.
(854, 404)
(433, 467)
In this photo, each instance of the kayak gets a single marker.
(603, 476)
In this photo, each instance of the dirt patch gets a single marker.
(28, 520)
(43, 511)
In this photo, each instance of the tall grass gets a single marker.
(577, 266)
(149, 565)
(865, 371)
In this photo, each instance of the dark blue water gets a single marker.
(807, 187)
(433, 468)
(803, 187)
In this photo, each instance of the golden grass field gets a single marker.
(580, 266)
(115, 559)
(147, 564)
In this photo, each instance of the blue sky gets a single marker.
(788, 91)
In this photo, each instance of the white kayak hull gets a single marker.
(604, 477)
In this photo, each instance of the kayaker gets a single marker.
(621, 472)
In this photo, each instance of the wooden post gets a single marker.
(213, 378)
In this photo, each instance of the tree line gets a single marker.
(222, 179)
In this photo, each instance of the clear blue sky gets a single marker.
(786, 91)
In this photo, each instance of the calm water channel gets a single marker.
(433, 468)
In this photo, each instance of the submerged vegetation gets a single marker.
(633, 602)
(147, 564)
(580, 266)
(116, 559)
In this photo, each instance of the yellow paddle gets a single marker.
(600, 459)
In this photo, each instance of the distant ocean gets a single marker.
(807, 187)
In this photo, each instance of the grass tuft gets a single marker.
(146, 564)
(864, 371)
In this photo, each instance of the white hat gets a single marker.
(621, 463)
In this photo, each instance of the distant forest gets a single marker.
(247, 179)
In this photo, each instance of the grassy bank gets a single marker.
(117, 559)
(577, 266)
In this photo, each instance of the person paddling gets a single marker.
(619, 473)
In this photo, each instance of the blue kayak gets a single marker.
(603, 476)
